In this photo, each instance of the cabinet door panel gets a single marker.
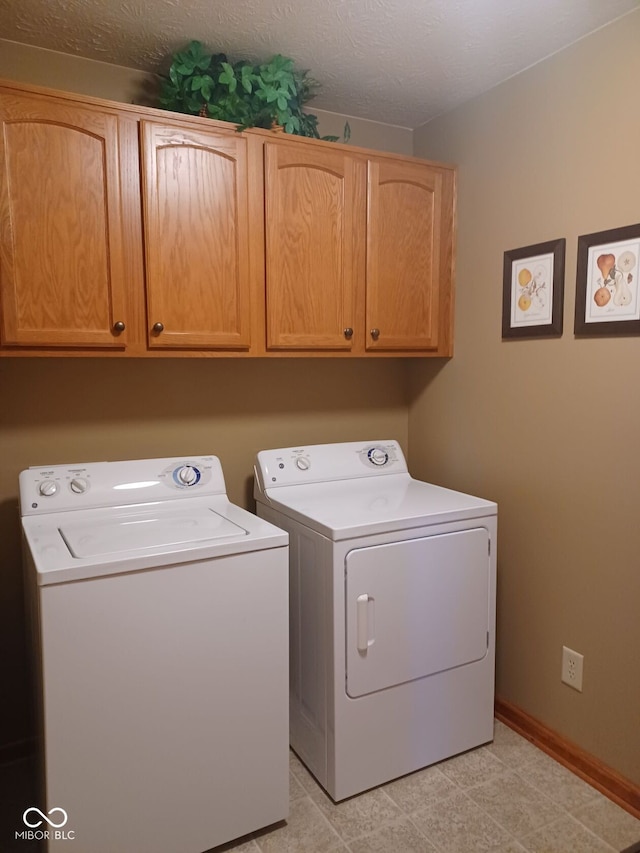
(61, 261)
(314, 202)
(196, 237)
(403, 262)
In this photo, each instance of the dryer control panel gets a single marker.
(320, 463)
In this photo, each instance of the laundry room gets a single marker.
(544, 425)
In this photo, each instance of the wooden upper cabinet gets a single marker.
(196, 226)
(314, 256)
(61, 233)
(405, 216)
(129, 231)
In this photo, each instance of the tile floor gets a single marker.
(506, 797)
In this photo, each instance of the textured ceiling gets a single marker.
(397, 61)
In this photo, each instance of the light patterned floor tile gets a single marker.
(306, 830)
(302, 775)
(457, 825)
(296, 791)
(554, 780)
(473, 767)
(420, 789)
(358, 816)
(565, 835)
(401, 836)
(607, 820)
(510, 747)
(514, 804)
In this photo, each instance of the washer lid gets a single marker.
(347, 508)
(93, 543)
(135, 531)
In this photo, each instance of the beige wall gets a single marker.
(41, 67)
(548, 428)
(55, 70)
(368, 134)
(68, 410)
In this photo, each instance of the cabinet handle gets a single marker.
(119, 327)
(348, 333)
(158, 327)
(375, 334)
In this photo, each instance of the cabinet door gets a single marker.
(196, 237)
(314, 205)
(61, 261)
(403, 256)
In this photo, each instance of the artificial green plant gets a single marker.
(201, 83)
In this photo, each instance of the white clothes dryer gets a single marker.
(392, 611)
(160, 616)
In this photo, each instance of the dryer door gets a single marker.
(415, 608)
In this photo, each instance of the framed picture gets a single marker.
(532, 290)
(607, 300)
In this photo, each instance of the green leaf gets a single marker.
(290, 123)
(228, 77)
(193, 105)
(346, 133)
(214, 111)
(246, 78)
(185, 67)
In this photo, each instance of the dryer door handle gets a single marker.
(364, 622)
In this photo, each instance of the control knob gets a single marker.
(303, 463)
(78, 485)
(187, 475)
(48, 488)
(378, 456)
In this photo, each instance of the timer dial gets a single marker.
(187, 475)
(303, 463)
(378, 456)
(78, 485)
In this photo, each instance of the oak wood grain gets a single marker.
(196, 237)
(403, 259)
(61, 237)
(313, 210)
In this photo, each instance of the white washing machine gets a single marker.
(160, 612)
(392, 611)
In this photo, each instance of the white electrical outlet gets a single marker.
(572, 668)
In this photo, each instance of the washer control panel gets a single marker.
(63, 487)
(320, 463)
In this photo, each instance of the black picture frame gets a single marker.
(607, 281)
(517, 279)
